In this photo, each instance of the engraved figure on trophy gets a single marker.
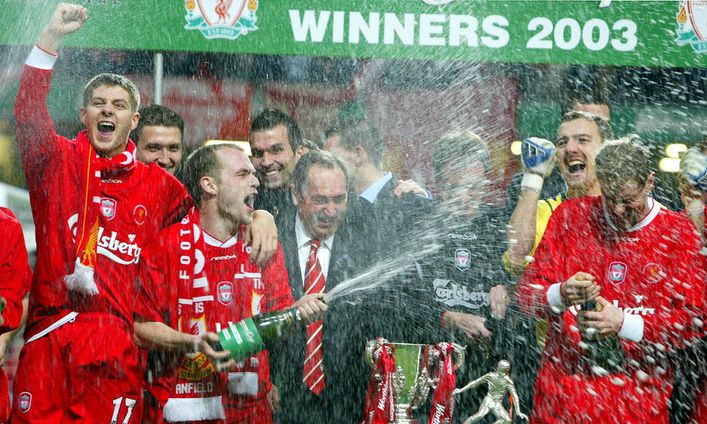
(499, 383)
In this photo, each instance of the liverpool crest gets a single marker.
(692, 24)
(462, 259)
(617, 272)
(108, 207)
(227, 19)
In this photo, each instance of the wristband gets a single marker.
(695, 207)
(532, 181)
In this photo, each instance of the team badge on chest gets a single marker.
(617, 273)
(24, 401)
(462, 259)
(108, 207)
(224, 291)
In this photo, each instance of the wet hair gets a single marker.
(623, 160)
(594, 97)
(271, 118)
(203, 162)
(358, 132)
(309, 145)
(702, 145)
(605, 130)
(316, 157)
(459, 147)
(158, 116)
(112, 80)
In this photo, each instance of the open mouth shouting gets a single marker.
(250, 201)
(105, 129)
(575, 166)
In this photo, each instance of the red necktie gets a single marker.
(314, 282)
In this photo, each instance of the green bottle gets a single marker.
(251, 335)
(607, 353)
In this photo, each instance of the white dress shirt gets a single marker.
(304, 244)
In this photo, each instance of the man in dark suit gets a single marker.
(320, 371)
(388, 208)
(276, 143)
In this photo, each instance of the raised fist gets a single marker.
(693, 167)
(66, 19)
(538, 157)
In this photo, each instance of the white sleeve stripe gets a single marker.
(40, 59)
(554, 298)
(632, 328)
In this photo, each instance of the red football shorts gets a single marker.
(85, 371)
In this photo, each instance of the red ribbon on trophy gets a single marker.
(380, 400)
(443, 402)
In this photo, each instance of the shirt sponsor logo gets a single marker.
(633, 310)
(617, 273)
(462, 259)
(24, 402)
(224, 291)
(453, 294)
(119, 251)
(108, 207)
(110, 245)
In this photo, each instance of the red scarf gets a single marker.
(93, 168)
(442, 411)
(379, 407)
(194, 368)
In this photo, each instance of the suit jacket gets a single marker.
(343, 340)
(391, 221)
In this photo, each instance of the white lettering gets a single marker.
(463, 27)
(358, 26)
(194, 388)
(109, 245)
(311, 25)
(393, 27)
(430, 30)
(338, 27)
(497, 35)
(453, 294)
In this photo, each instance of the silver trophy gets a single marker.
(414, 370)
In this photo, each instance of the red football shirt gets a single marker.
(653, 272)
(137, 206)
(238, 289)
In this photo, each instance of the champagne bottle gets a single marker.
(607, 353)
(259, 332)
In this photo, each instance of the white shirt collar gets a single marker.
(213, 241)
(655, 209)
(303, 238)
(371, 193)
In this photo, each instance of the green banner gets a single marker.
(639, 33)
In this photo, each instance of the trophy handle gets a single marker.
(371, 347)
(459, 355)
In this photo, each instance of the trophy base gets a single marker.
(403, 415)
